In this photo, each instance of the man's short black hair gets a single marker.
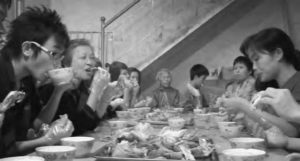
(198, 70)
(35, 24)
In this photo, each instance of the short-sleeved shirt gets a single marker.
(165, 96)
(293, 84)
(19, 117)
(245, 89)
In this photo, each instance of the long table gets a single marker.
(221, 143)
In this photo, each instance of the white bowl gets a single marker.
(23, 158)
(83, 145)
(244, 154)
(179, 109)
(248, 143)
(61, 75)
(170, 113)
(145, 110)
(56, 153)
(230, 129)
(176, 123)
(136, 113)
(198, 111)
(123, 114)
(202, 120)
(117, 124)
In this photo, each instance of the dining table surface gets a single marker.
(103, 132)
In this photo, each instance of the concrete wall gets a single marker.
(145, 31)
(225, 47)
(294, 20)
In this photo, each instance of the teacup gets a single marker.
(83, 145)
(230, 129)
(244, 155)
(248, 143)
(56, 153)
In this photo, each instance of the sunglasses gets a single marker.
(55, 57)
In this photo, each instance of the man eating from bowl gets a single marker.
(35, 44)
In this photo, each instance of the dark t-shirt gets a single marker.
(73, 103)
(19, 117)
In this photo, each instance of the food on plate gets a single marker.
(142, 141)
(162, 115)
(126, 149)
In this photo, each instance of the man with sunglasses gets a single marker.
(35, 45)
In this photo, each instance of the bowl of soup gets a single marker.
(117, 124)
(230, 129)
(248, 143)
(56, 153)
(82, 144)
(23, 158)
(240, 154)
(61, 75)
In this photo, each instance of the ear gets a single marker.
(27, 50)
(278, 54)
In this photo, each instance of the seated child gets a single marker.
(193, 97)
(243, 84)
(165, 96)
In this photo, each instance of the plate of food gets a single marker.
(142, 142)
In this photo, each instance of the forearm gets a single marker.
(133, 100)
(295, 117)
(48, 112)
(126, 97)
(287, 128)
(24, 147)
(293, 144)
(282, 124)
(104, 101)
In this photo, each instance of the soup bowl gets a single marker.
(83, 145)
(56, 153)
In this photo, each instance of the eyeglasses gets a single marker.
(56, 58)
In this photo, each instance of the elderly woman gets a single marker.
(83, 106)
